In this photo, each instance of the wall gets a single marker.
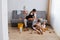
(30, 4)
(40, 5)
(55, 16)
(3, 20)
(1, 33)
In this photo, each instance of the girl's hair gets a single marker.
(38, 20)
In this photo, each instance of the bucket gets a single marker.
(20, 26)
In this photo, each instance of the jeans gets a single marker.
(25, 22)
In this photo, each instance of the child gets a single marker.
(44, 26)
(37, 27)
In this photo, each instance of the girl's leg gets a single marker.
(41, 31)
(36, 30)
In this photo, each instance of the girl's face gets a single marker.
(44, 23)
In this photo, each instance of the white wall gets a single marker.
(30, 4)
(1, 33)
(40, 5)
(55, 16)
(3, 20)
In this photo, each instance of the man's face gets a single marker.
(34, 12)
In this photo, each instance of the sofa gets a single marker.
(16, 14)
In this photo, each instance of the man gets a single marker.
(31, 16)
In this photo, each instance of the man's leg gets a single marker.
(25, 22)
(34, 22)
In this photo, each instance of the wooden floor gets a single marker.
(14, 34)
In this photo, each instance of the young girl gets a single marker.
(44, 26)
(37, 27)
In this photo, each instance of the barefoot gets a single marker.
(31, 33)
(41, 33)
(38, 33)
(26, 29)
(49, 32)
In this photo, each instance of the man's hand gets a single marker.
(30, 19)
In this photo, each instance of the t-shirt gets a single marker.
(43, 26)
(30, 16)
(39, 24)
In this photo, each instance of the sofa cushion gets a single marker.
(41, 14)
(14, 14)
